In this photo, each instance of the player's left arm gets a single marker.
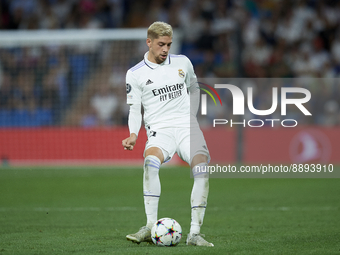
(194, 91)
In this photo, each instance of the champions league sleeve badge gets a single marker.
(128, 88)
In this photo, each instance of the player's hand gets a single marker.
(129, 142)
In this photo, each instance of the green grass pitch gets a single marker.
(90, 211)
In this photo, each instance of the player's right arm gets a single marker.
(133, 93)
(129, 143)
(134, 122)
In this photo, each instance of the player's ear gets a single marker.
(148, 42)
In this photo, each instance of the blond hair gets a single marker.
(158, 29)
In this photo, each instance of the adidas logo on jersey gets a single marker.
(148, 82)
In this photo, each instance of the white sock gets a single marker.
(151, 188)
(199, 197)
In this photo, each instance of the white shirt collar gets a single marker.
(155, 65)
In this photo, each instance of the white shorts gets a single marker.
(177, 140)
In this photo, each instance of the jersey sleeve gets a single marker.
(135, 118)
(193, 88)
(191, 79)
(133, 91)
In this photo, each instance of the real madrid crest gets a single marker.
(181, 73)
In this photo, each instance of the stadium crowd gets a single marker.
(223, 38)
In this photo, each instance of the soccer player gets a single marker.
(165, 84)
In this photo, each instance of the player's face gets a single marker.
(159, 48)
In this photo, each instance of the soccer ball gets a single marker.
(166, 232)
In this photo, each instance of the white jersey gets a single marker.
(162, 89)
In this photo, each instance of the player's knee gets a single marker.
(199, 159)
(156, 152)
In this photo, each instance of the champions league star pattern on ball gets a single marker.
(166, 232)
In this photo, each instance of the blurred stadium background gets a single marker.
(63, 65)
